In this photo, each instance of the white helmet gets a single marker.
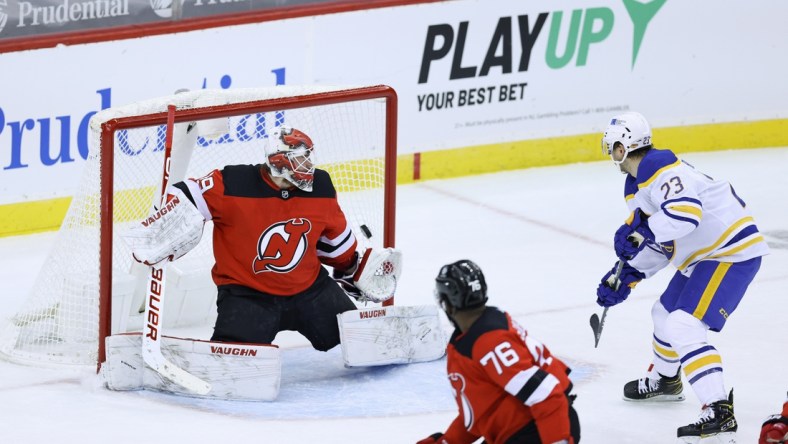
(631, 130)
(289, 155)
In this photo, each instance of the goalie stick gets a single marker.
(154, 298)
(598, 323)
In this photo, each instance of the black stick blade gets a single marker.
(595, 327)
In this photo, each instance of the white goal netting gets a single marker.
(62, 320)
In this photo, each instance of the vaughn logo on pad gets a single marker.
(237, 351)
(372, 313)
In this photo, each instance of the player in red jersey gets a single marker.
(275, 226)
(775, 428)
(509, 388)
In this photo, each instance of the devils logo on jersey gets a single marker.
(282, 246)
(458, 387)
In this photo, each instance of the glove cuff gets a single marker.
(347, 273)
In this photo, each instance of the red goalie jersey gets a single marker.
(503, 380)
(268, 239)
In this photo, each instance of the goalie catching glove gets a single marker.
(167, 233)
(373, 277)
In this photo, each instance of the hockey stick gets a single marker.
(154, 298)
(596, 323)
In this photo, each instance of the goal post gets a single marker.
(89, 287)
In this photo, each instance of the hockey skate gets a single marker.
(715, 425)
(654, 388)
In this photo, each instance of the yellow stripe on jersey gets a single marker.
(695, 211)
(701, 362)
(716, 244)
(711, 289)
(738, 248)
(629, 197)
(657, 173)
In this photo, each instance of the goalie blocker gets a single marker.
(168, 233)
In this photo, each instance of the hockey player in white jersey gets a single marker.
(701, 227)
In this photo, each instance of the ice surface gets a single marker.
(543, 238)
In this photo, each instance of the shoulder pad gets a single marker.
(322, 185)
(630, 187)
(244, 181)
(233, 170)
(492, 319)
(653, 164)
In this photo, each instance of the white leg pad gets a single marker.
(243, 372)
(391, 335)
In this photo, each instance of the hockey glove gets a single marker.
(613, 291)
(345, 279)
(435, 438)
(630, 238)
(378, 273)
(168, 233)
(774, 430)
(374, 277)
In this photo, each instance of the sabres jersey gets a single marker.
(503, 379)
(693, 216)
(269, 239)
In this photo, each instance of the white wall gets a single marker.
(699, 62)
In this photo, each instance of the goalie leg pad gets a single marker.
(242, 372)
(391, 335)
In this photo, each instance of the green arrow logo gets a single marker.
(641, 14)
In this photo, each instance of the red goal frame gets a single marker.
(110, 127)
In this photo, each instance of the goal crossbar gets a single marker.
(109, 128)
(69, 311)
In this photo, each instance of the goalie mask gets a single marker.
(461, 285)
(290, 156)
(631, 130)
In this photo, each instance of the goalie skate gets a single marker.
(654, 388)
(715, 425)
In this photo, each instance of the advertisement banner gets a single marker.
(19, 18)
(467, 72)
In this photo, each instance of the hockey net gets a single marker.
(89, 287)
